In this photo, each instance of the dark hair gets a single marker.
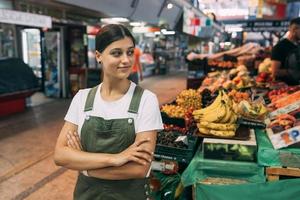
(295, 21)
(111, 33)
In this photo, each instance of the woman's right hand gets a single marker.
(134, 153)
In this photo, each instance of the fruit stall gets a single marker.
(235, 135)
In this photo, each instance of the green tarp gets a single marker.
(277, 190)
(200, 168)
(268, 156)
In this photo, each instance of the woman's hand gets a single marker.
(135, 153)
(73, 140)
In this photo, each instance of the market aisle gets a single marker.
(27, 141)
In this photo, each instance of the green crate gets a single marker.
(183, 155)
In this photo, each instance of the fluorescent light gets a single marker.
(169, 32)
(114, 20)
(137, 23)
(157, 32)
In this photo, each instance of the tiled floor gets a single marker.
(27, 142)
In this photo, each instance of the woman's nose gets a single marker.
(125, 58)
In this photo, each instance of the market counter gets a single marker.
(243, 180)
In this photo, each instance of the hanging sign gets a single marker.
(23, 18)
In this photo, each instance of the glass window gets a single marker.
(7, 41)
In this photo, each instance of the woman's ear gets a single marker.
(98, 56)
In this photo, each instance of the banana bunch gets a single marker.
(189, 99)
(173, 111)
(217, 119)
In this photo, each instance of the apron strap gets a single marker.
(90, 99)
(136, 99)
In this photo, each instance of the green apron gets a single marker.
(109, 136)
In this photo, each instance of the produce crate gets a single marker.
(274, 173)
(169, 151)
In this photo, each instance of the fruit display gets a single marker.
(173, 111)
(236, 78)
(221, 64)
(274, 95)
(283, 122)
(217, 119)
(172, 127)
(189, 99)
(286, 100)
(239, 96)
(263, 78)
(168, 138)
(265, 66)
(251, 110)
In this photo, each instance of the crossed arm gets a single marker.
(133, 162)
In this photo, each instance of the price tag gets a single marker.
(285, 138)
(182, 139)
(285, 109)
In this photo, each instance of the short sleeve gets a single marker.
(276, 53)
(149, 117)
(74, 109)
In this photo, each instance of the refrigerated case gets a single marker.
(53, 77)
(31, 50)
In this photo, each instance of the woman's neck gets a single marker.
(114, 89)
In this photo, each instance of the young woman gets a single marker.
(109, 133)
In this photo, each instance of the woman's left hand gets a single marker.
(73, 140)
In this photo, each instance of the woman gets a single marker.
(116, 124)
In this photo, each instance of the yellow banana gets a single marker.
(233, 118)
(213, 106)
(217, 126)
(215, 115)
(207, 131)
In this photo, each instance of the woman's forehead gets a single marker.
(124, 43)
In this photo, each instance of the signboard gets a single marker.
(23, 18)
(258, 26)
(284, 138)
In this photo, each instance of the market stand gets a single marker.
(228, 177)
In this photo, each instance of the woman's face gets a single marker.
(117, 59)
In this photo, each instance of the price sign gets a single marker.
(284, 138)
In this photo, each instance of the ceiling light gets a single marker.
(114, 20)
(170, 6)
(137, 23)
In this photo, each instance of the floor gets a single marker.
(27, 142)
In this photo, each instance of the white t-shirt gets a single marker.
(148, 117)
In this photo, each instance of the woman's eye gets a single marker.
(116, 53)
(130, 53)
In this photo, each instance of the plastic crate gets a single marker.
(183, 155)
(180, 122)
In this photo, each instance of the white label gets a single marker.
(285, 138)
(23, 18)
(158, 166)
(183, 139)
(285, 109)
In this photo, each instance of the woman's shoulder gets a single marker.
(82, 94)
